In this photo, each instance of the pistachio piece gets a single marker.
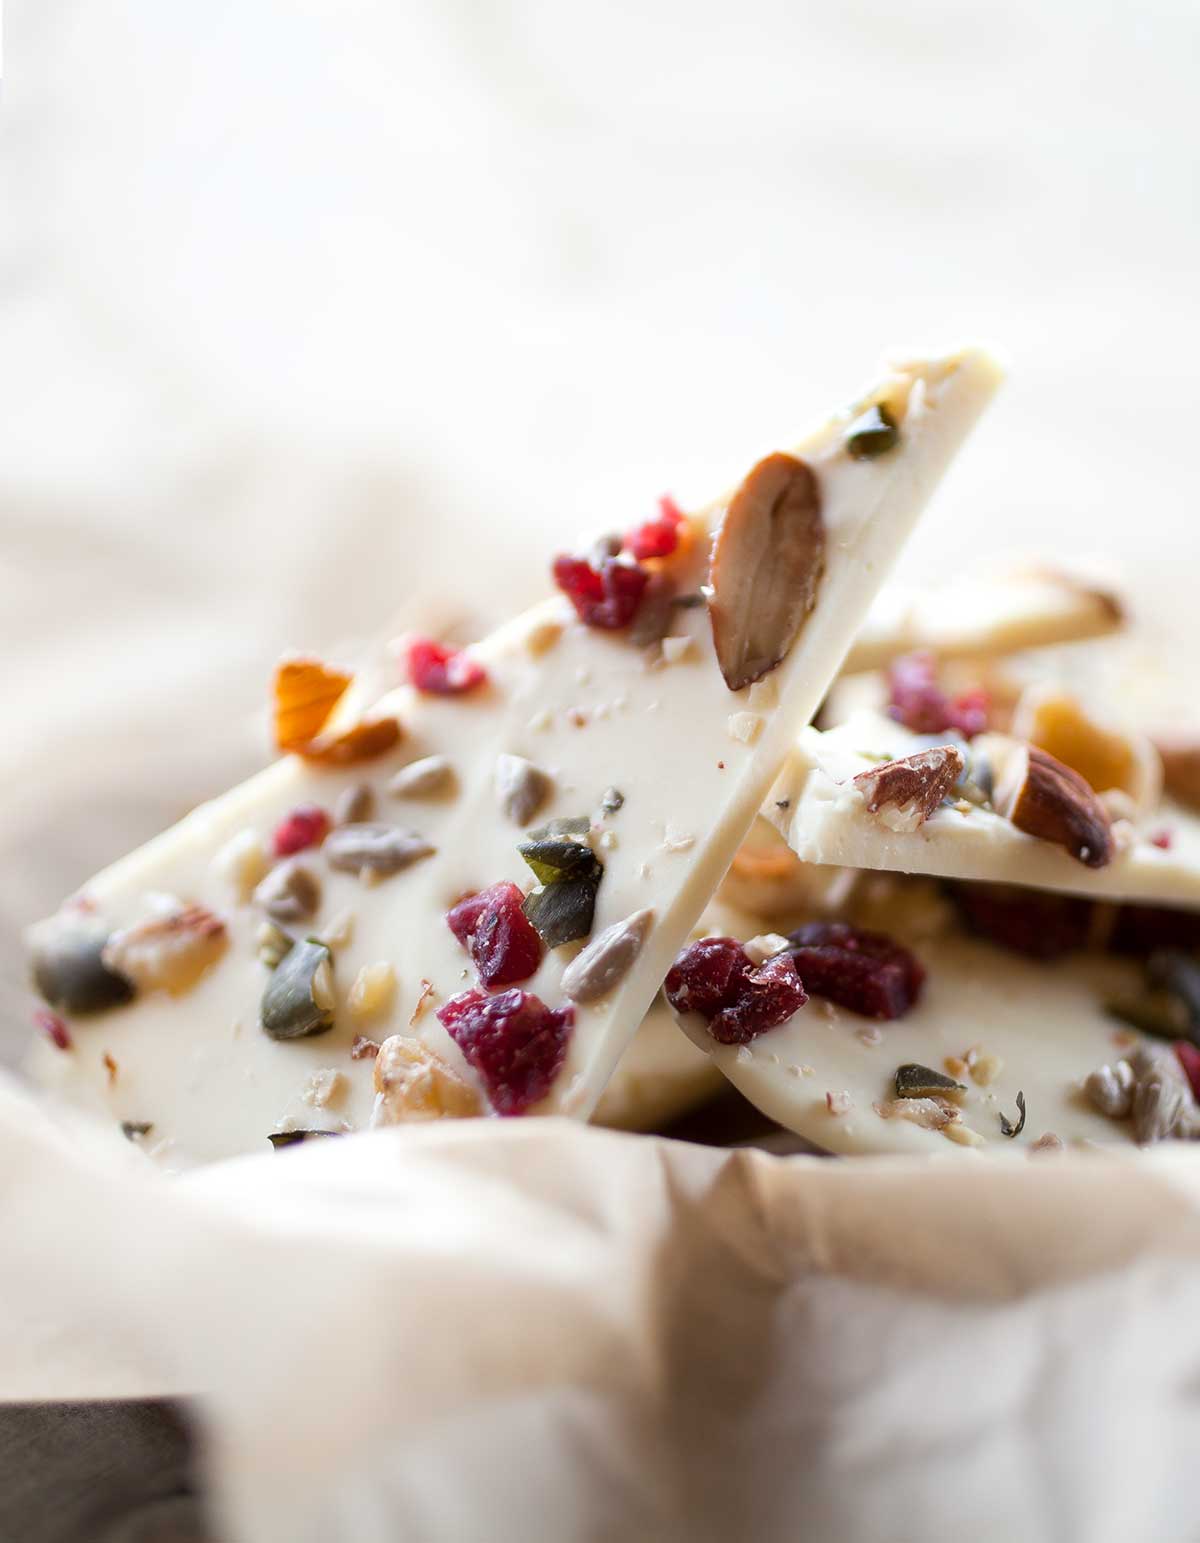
(412, 1083)
(607, 958)
(430, 777)
(916, 1081)
(767, 561)
(298, 1000)
(904, 793)
(372, 846)
(1046, 799)
(521, 787)
(168, 953)
(874, 432)
(69, 969)
(291, 892)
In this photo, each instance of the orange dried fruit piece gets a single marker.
(305, 693)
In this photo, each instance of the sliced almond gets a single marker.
(607, 958)
(905, 793)
(767, 561)
(1046, 799)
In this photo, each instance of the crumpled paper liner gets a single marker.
(507, 1329)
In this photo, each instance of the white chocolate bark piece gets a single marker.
(825, 819)
(1038, 1029)
(984, 616)
(661, 1076)
(568, 712)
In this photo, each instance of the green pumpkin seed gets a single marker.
(298, 1000)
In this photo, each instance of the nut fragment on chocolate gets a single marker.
(1180, 755)
(375, 848)
(767, 562)
(167, 953)
(412, 1083)
(904, 793)
(928, 1113)
(521, 787)
(291, 892)
(607, 958)
(1046, 799)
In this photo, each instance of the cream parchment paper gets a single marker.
(503, 1330)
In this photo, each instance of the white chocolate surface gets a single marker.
(1044, 1022)
(590, 711)
(826, 821)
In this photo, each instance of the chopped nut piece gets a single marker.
(412, 1083)
(676, 840)
(289, 893)
(1179, 752)
(1046, 799)
(904, 793)
(839, 1103)
(1048, 1142)
(355, 804)
(745, 727)
(962, 1134)
(955, 1065)
(339, 932)
(985, 1069)
(373, 849)
(767, 562)
(430, 777)
(373, 991)
(521, 788)
(928, 1113)
(242, 862)
(611, 800)
(606, 960)
(363, 1049)
(271, 943)
(324, 1087)
(423, 996)
(167, 953)
(1110, 1090)
(765, 946)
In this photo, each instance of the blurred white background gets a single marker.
(310, 309)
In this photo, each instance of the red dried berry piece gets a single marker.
(865, 972)
(607, 597)
(306, 826)
(707, 976)
(660, 537)
(1146, 929)
(917, 701)
(53, 1027)
(1189, 1059)
(1036, 923)
(768, 996)
(1163, 840)
(714, 978)
(513, 1040)
(443, 671)
(501, 940)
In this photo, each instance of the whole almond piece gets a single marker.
(767, 561)
(1046, 799)
(905, 793)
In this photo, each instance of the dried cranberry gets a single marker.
(863, 971)
(1189, 1059)
(501, 940)
(917, 701)
(306, 826)
(1145, 929)
(605, 597)
(53, 1027)
(657, 538)
(1036, 923)
(1163, 840)
(443, 671)
(714, 978)
(513, 1040)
